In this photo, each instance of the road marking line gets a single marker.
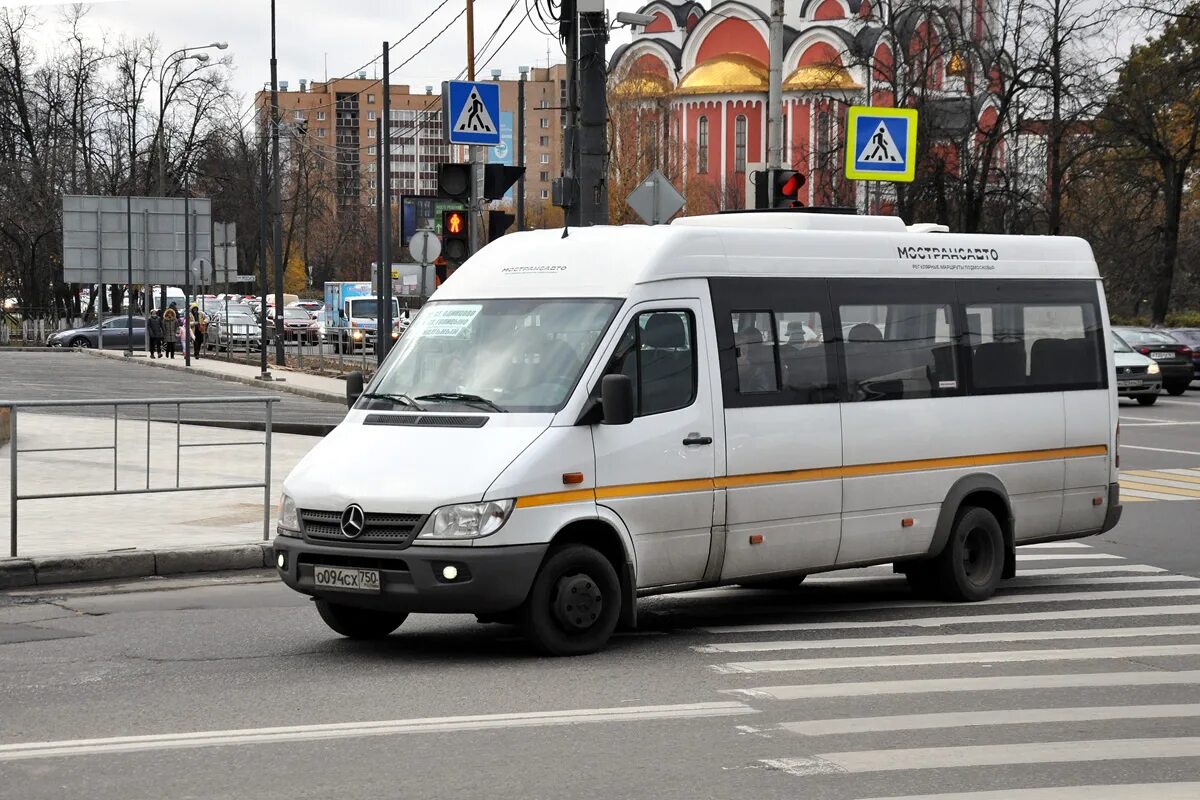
(989, 755)
(124, 744)
(1054, 546)
(950, 639)
(1119, 791)
(1132, 499)
(1160, 487)
(1161, 450)
(1185, 476)
(928, 659)
(1063, 556)
(1134, 495)
(1026, 581)
(976, 619)
(968, 719)
(994, 683)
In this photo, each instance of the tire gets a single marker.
(81, 342)
(970, 565)
(1176, 389)
(559, 627)
(359, 623)
(776, 584)
(921, 579)
(1147, 399)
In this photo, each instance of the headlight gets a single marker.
(1153, 369)
(467, 521)
(356, 335)
(287, 517)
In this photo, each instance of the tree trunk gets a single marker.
(1172, 209)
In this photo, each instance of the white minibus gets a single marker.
(577, 420)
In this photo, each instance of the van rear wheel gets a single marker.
(359, 623)
(969, 567)
(574, 604)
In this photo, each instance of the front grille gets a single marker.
(394, 530)
(1132, 370)
(359, 562)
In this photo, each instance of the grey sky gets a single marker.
(346, 32)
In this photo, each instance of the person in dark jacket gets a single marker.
(154, 325)
(171, 329)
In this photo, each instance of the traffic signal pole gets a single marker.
(775, 89)
(475, 206)
(383, 324)
(593, 119)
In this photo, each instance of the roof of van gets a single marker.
(608, 261)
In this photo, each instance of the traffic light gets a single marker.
(778, 188)
(456, 238)
(498, 223)
(497, 179)
(454, 181)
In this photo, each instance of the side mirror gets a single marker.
(616, 398)
(354, 388)
(341, 313)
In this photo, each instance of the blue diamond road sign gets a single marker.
(471, 112)
(881, 144)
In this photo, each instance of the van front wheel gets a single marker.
(574, 604)
(969, 567)
(359, 623)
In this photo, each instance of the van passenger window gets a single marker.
(899, 351)
(754, 343)
(803, 358)
(1031, 346)
(657, 352)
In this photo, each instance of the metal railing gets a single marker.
(15, 496)
(334, 350)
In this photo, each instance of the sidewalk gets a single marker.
(100, 537)
(317, 387)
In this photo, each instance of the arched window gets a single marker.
(739, 144)
(702, 145)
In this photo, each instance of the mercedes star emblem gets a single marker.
(353, 521)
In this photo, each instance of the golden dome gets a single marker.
(820, 76)
(642, 85)
(732, 74)
(957, 66)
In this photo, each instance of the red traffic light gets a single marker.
(454, 222)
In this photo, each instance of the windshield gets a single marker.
(241, 319)
(1119, 346)
(295, 313)
(521, 355)
(1147, 337)
(366, 308)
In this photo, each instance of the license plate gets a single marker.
(350, 580)
(1162, 356)
(1123, 384)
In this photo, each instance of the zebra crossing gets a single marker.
(1083, 683)
(1144, 485)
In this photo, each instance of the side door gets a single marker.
(657, 472)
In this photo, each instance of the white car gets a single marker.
(1137, 376)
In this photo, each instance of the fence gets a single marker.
(15, 496)
(332, 350)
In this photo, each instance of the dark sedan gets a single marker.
(1173, 356)
(1190, 337)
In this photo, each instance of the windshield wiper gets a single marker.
(399, 397)
(463, 398)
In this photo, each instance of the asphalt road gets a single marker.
(64, 375)
(1081, 679)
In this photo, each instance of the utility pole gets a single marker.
(592, 147)
(383, 324)
(521, 147)
(380, 200)
(568, 31)
(264, 279)
(475, 212)
(276, 210)
(775, 90)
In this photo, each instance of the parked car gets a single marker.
(1138, 376)
(116, 334)
(299, 325)
(238, 332)
(313, 307)
(1173, 356)
(1190, 337)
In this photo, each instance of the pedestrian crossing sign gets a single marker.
(881, 144)
(471, 112)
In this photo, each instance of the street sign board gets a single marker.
(881, 144)
(241, 279)
(655, 199)
(471, 112)
(96, 238)
(202, 271)
(424, 247)
(225, 251)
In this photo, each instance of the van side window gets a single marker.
(754, 346)
(657, 352)
(899, 351)
(803, 357)
(1033, 336)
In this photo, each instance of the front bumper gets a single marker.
(491, 579)
(1144, 385)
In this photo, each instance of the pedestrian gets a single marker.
(198, 324)
(171, 329)
(154, 325)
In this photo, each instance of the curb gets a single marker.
(50, 570)
(282, 386)
(11, 349)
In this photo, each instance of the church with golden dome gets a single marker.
(692, 88)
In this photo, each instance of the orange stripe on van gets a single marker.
(801, 475)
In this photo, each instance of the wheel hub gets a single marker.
(577, 602)
(977, 556)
